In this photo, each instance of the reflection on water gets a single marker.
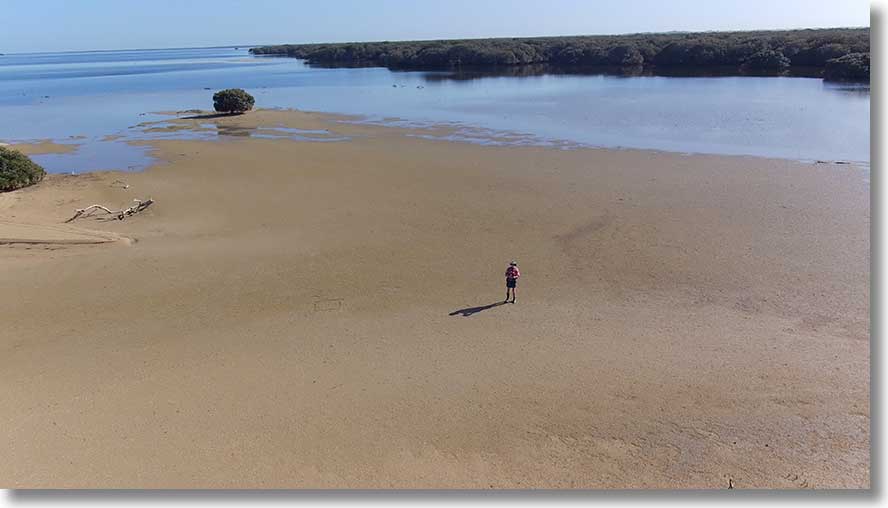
(860, 89)
(100, 95)
(523, 71)
(290, 133)
(95, 154)
(541, 69)
(231, 130)
(124, 151)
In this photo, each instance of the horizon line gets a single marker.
(441, 39)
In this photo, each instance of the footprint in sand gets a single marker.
(328, 305)
(797, 480)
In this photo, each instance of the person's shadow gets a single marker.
(474, 310)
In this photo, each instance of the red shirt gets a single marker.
(512, 272)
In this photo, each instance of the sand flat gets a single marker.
(41, 147)
(289, 317)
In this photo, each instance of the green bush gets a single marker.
(233, 100)
(852, 67)
(767, 59)
(17, 170)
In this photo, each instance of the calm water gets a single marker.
(79, 98)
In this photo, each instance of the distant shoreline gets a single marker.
(840, 54)
(72, 51)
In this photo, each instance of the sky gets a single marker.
(69, 25)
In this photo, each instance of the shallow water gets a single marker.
(98, 94)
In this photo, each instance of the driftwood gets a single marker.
(120, 214)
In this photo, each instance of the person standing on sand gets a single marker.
(512, 275)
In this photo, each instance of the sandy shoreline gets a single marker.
(281, 318)
(44, 146)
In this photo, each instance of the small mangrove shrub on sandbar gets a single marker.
(233, 100)
(17, 170)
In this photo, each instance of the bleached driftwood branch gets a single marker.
(121, 214)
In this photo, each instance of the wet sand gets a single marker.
(41, 147)
(296, 314)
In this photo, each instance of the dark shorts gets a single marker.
(510, 283)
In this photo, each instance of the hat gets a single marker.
(513, 263)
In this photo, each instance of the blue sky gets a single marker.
(67, 25)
